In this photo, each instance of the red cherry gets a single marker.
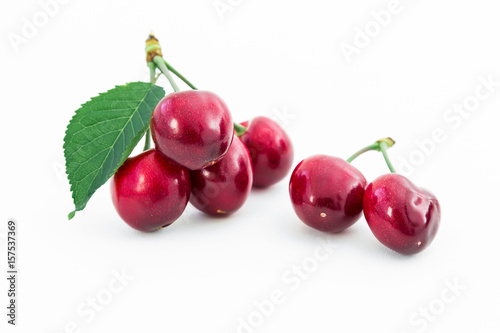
(402, 216)
(149, 192)
(327, 193)
(223, 187)
(270, 149)
(193, 128)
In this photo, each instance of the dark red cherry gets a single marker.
(193, 128)
(327, 193)
(223, 187)
(402, 216)
(149, 192)
(270, 149)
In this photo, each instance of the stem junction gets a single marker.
(381, 145)
(154, 58)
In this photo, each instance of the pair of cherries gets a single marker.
(200, 158)
(329, 194)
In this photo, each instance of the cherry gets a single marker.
(193, 128)
(402, 216)
(149, 192)
(222, 188)
(270, 149)
(327, 193)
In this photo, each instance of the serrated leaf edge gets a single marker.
(123, 157)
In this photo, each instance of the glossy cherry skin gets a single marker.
(222, 188)
(149, 192)
(193, 128)
(270, 149)
(402, 216)
(327, 193)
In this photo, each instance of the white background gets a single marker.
(274, 58)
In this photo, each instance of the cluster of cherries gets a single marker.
(329, 194)
(201, 156)
(198, 157)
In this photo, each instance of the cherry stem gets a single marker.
(364, 150)
(381, 146)
(160, 63)
(179, 75)
(152, 78)
(239, 129)
(154, 58)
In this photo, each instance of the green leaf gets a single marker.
(103, 133)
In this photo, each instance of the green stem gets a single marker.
(154, 57)
(152, 72)
(179, 75)
(381, 146)
(362, 151)
(160, 63)
(152, 78)
(147, 143)
(239, 129)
